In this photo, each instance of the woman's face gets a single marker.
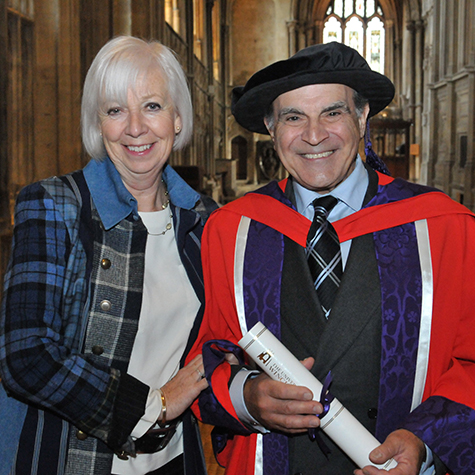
(139, 134)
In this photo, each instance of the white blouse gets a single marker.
(168, 311)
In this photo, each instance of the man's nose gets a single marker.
(314, 132)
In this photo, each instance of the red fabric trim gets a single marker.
(273, 213)
(384, 179)
(277, 215)
(385, 216)
(244, 463)
(451, 371)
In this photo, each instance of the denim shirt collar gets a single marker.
(114, 202)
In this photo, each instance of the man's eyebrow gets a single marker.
(332, 107)
(289, 110)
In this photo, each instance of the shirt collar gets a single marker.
(351, 191)
(181, 194)
(114, 202)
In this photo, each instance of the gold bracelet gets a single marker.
(163, 419)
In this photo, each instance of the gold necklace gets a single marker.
(164, 206)
(167, 227)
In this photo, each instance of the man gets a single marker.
(399, 335)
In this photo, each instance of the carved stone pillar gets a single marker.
(419, 83)
(122, 17)
(293, 36)
(5, 219)
(392, 64)
(309, 34)
(209, 159)
(319, 26)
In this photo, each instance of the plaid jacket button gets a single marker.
(97, 350)
(105, 263)
(81, 435)
(106, 305)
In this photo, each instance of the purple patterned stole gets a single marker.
(401, 298)
(262, 281)
(401, 302)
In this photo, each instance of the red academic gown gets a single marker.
(445, 371)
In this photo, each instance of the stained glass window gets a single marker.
(348, 7)
(360, 7)
(359, 24)
(375, 44)
(338, 7)
(354, 34)
(332, 30)
(370, 8)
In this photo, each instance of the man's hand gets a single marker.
(407, 449)
(280, 406)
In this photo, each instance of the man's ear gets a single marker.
(363, 120)
(269, 128)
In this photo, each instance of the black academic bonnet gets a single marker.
(331, 63)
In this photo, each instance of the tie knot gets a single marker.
(324, 205)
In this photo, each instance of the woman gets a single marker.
(103, 294)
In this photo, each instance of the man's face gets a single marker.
(316, 133)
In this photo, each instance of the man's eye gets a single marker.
(334, 113)
(293, 118)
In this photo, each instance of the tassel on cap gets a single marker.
(372, 158)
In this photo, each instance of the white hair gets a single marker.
(115, 70)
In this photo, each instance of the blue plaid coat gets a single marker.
(52, 320)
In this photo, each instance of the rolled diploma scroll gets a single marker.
(339, 424)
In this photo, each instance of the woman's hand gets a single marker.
(184, 388)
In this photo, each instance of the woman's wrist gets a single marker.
(162, 422)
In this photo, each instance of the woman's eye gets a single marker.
(154, 106)
(113, 111)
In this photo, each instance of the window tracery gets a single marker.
(359, 24)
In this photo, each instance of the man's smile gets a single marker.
(312, 156)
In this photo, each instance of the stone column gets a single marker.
(210, 165)
(122, 17)
(293, 39)
(69, 88)
(5, 218)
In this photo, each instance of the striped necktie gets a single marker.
(324, 254)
